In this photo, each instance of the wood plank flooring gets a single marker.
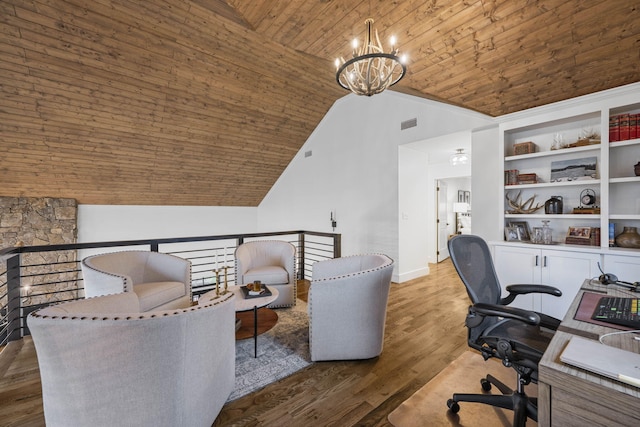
(424, 333)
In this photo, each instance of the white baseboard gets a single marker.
(410, 275)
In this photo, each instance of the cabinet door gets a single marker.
(566, 271)
(516, 265)
(626, 268)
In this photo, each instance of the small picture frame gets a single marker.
(523, 230)
(512, 234)
(579, 232)
(467, 196)
(460, 196)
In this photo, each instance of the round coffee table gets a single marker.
(253, 303)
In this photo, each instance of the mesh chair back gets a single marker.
(472, 259)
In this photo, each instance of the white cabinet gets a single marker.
(566, 270)
(626, 268)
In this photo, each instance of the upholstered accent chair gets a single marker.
(348, 307)
(103, 362)
(161, 281)
(273, 262)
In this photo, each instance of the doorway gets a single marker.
(442, 220)
(452, 194)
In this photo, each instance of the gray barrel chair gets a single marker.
(272, 262)
(161, 281)
(348, 307)
(103, 362)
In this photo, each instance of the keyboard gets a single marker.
(619, 311)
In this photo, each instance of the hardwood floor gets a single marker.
(424, 333)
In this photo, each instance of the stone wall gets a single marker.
(31, 221)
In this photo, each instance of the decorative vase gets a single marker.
(629, 238)
(636, 169)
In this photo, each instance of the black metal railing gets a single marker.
(32, 277)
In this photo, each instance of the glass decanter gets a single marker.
(547, 237)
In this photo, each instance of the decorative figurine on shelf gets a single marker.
(558, 142)
(629, 238)
(522, 208)
(553, 206)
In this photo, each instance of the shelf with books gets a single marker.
(547, 153)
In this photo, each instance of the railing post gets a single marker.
(14, 301)
(337, 245)
(301, 255)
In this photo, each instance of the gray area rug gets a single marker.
(282, 351)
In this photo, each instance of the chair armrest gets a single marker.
(526, 316)
(98, 282)
(549, 322)
(515, 290)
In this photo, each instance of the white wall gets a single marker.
(99, 223)
(353, 171)
(413, 209)
(486, 184)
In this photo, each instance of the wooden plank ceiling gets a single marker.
(205, 102)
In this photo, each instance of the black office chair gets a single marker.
(517, 337)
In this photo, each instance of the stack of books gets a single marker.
(511, 177)
(623, 127)
(527, 178)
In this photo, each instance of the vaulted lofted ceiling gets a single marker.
(205, 102)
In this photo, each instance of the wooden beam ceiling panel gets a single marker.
(205, 102)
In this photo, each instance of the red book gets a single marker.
(624, 127)
(614, 128)
(633, 126)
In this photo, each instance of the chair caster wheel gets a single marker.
(486, 385)
(453, 406)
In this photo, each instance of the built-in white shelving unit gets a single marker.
(614, 183)
(616, 189)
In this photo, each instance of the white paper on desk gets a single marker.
(612, 362)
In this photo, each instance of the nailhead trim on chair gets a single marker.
(127, 283)
(149, 315)
(359, 272)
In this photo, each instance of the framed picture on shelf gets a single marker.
(579, 232)
(523, 230)
(512, 234)
(467, 196)
(573, 169)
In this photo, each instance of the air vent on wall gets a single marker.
(408, 124)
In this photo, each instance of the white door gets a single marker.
(441, 220)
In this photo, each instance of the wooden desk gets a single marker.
(569, 396)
